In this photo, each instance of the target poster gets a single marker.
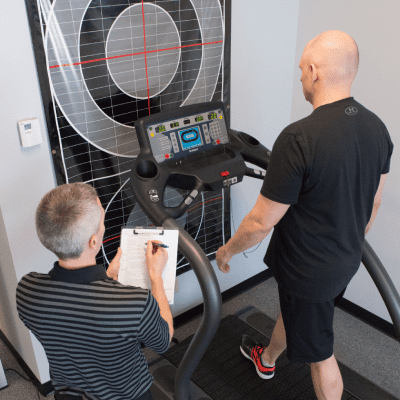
(102, 64)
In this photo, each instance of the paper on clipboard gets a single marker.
(133, 269)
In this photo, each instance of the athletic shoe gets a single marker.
(252, 350)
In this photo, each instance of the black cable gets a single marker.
(249, 252)
(26, 379)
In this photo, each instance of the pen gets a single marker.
(156, 245)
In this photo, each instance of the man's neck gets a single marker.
(329, 96)
(75, 263)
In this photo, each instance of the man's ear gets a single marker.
(93, 242)
(314, 72)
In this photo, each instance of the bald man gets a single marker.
(321, 193)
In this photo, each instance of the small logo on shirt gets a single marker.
(351, 110)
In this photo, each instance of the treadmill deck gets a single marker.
(225, 374)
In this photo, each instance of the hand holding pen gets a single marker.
(156, 259)
(156, 245)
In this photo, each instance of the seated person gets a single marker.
(90, 325)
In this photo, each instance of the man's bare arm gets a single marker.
(257, 224)
(377, 202)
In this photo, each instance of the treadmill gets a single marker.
(192, 148)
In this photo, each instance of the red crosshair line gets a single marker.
(132, 54)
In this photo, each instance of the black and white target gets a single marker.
(110, 62)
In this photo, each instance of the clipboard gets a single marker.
(133, 269)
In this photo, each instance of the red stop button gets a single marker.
(218, 141)
(225, 173)
(167, 156)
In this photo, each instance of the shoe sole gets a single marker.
(259, 373)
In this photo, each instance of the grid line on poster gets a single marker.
(106, 18)
(101, 98)
(217, 39)
(140, 109)
(113, 117)
(138, 69)
(155, 52)
(101, 87)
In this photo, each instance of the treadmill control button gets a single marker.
(188, 200)
(234, 180)
(225, 173)
(194, 193)
(206, 134)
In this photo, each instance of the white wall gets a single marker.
(26, 174)
(375, 27)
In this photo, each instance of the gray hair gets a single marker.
(66, 218)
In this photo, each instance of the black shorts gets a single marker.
(309, 327)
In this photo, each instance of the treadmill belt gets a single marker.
(225, 374)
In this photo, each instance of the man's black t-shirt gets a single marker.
(327, 166)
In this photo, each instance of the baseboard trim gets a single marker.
(368, 317)
(229, 294)
(44, 388)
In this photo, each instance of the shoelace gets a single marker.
(256, 356)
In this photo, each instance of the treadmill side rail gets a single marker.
(212, 309)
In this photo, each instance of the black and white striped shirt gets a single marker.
(91, 328)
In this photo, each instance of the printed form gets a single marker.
(133, 270)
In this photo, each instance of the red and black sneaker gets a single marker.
(252, 350)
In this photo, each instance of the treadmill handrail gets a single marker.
(212, 299)
(384, 284)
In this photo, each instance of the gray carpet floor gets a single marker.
(362, 348)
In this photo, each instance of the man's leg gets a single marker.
(327, 380)
(277, 343)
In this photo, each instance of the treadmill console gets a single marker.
(190, 148)
(174, 138)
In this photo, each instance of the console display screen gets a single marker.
(180, 136)
(190, 138)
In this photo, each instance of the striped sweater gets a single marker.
(91, 328)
